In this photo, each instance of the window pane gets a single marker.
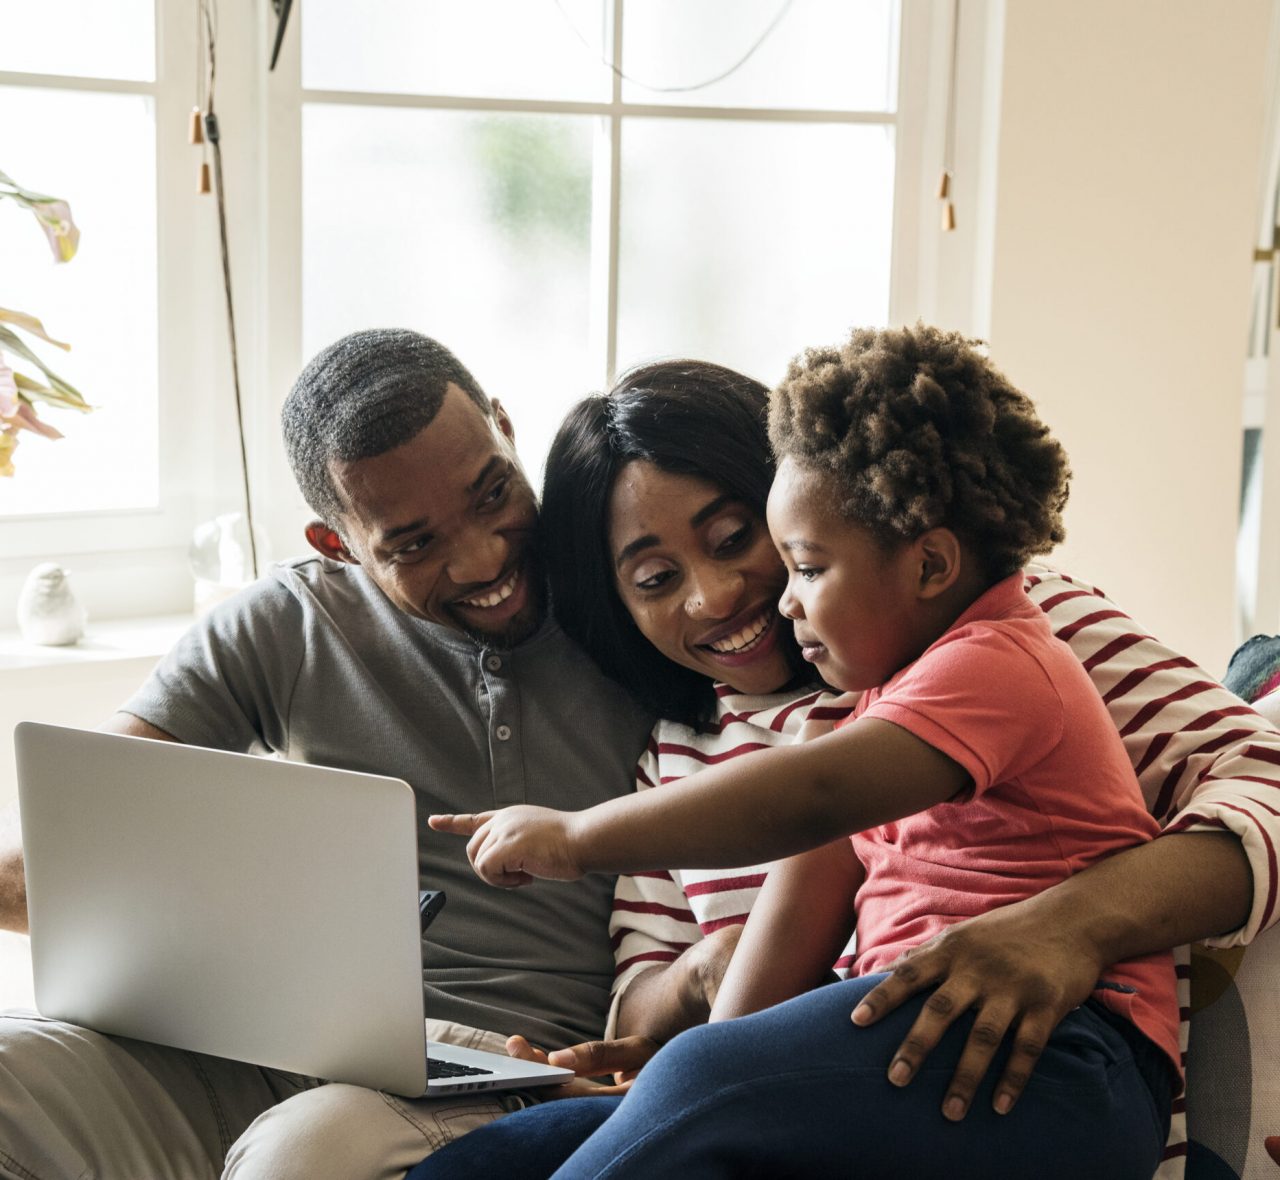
(744, 242)
(822, 54)
(492, 48)
(474, 229)
(85, 37)
(98, 152)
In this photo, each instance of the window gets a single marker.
(555, 221)
(86, 128)
(99, 118)
(479, 172)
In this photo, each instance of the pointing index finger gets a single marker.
(457, 825)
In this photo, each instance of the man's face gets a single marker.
(445, 524)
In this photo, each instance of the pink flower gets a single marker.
(27, 419)
(8, 390)
(8, 440)
(16, 413)
(55, 219)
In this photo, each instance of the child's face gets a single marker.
(853, 600)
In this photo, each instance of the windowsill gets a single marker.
(108, 641)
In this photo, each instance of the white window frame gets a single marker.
(929, 277)
(135, 563)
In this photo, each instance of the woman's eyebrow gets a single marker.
(631, 548)
(709, 510)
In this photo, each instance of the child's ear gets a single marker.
(940, 558)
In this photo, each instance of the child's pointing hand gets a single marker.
(511, 847)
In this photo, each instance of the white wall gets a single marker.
(1129, 151)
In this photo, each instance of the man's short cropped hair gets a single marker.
(362, 396)
(918, 429)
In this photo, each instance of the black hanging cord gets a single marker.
(214, 135)
(688, 89)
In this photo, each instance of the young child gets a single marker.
(979, 768)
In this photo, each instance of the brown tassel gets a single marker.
(195, 129)
(944, 185)
(203, 185)
(948, 217)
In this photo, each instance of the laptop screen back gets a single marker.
(244, 907)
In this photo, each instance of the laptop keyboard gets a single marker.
(451, 1069)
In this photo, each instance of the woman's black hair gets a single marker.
(687, 418)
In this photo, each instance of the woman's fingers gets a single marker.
(520, 1047)
(597, 1058)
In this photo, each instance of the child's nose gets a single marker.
(789, 605)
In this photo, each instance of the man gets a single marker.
(416, 645)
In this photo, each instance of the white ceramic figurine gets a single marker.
(48, 612)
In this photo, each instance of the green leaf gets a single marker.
(31, 325)
(67, 394)
(25, 195)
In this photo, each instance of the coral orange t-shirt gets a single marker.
(1053, 792)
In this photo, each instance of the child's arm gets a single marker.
(798, 926)
(771, 804)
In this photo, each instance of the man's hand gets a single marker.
(511, 847)
(1016, 971)
(592, 1059)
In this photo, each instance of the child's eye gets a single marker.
(808, 573)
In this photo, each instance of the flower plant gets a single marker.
(19, 391)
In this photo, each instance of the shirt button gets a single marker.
(493, 663)
(503, 732)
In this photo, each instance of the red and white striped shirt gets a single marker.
(1204, 759)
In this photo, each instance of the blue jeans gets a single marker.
(798, 1090)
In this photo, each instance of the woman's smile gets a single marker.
(739, 643)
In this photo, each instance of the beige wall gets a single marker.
(1127, 177)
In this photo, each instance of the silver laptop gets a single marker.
(250, 908)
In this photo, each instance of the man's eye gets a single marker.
(495, 493)
(413, 548)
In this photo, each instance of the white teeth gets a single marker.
(494, 597)
(744, 637)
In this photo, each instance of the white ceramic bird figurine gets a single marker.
(48, 612)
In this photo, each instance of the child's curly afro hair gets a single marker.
(919, 430)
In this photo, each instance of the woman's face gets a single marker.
(700, 576)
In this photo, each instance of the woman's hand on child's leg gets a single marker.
(1020, 974)
(622, 1058)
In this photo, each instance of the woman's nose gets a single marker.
(714, 594)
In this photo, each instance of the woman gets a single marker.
(660, 568)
